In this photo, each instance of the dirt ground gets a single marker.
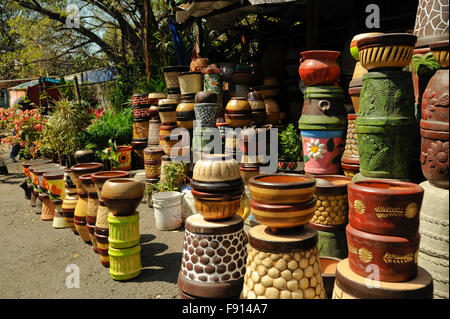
(34, 255)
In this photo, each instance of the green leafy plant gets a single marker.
(174, 178)
(423, 65)
(290, 145)
(109, 156)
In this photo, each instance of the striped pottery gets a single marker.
(123, 231)
(125, 263)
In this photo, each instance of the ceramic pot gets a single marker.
(168, 143)
(322, 151)
(353, 44)
(38, 173)
(125, 263)
(215, 207)
(175, 95)
(431, 22)
(153, 153)
(205, 97)
(391, 50)
(294, 252)
(213, 260)
(86, 168)
(283, 215)
(241, 74)
(282, 188)
(91, 207)
(349, 170)
(238, 120)
(216, 168)
(102, 246)
(332, 202)
(167, 112)
(48, 208)
(153, 132)
(219, 188)
(80, 218)
(124, 157)
(153, 98)
(190, 82)
(267, 91)
(68, 210)
(440, 53)
(385, 207)
(165, 130)
(396, 257)
(238, 112)
(206, 113)
(349, 285)
(328, 269)
(84, 156)
(319, 67)
(212, 79)
(138, 152)
(56, 186)
(354, 90)
(140, 128)
(248, 170)
(123, 231)
(350, 155)
(434, 156)
(272, 111)
(171, 75)
(256, 101)
(27, 164)
(140, 100)
(435, 101)
(122, 195)
(227, 70)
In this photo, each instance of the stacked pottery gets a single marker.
(383, 243)
(171, 79)
(283, 259)
(434, 132)
(330, 216)
(152, 161)
(241, 80)
(153, 100)
(214, 253)
(258, 108)
(168, 113)
(56, 193)
(185, 114)
(269, 92)
(26, 165)
(82, 203)
(350, 157)
(101, 229)
(124, 157)
(190, 82)
(141, 107)
(122, 196)
(385, 122)
(70, 201)
(48, 207)
(212, 82)
(92, 207)
(154, 122)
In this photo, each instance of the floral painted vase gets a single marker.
(322, 151)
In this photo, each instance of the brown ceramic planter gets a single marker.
(217, 209)
(238, 120)
(185, 112)
(205, 97)
(435, 100)
(441, 53)
(319, 67)
(190, 82)
(283, 215)
(167, 113)
(140, 128)
(385, 207)
(282, 188)
(68, 209)
(328, 269)
(85, 168)
(100, 178)
(267, 91)
(221, 187)
(122, 195)
(395, 257)
(216, 168)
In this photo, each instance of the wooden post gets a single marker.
(77, 88)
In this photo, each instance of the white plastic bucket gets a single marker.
(167, 209)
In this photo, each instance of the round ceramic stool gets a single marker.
(214, 254)
(125, 263)
(349, 285)
(54, 184)
(68, 211)
(123, 231)
(284, 265)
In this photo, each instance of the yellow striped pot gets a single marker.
(123, 231)
(125, 263)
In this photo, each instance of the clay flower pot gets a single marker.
(206, 113)
(215, 206)
(354, 48)
(283, 215)
(56, 186)
(282, 188)
(99, 178)
(319, 67)
(440, 53)
(122, 195)
(140, 128)
(238, 112)
(216, 168)
(153, 131)
(391, 50)
(168, 143)
(171, 75)
(190, 82)
(248, 170)
(385, 207)
(396, 257)
(153, 98)
(124, 157)
(84, 156)
(205, 97)
(27, 164)
(85, 168)
(185, 112)
(212, 79)
(432, 22)
(328, 269)
(167, 111)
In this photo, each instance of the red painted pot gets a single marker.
(434, 156)
(435, 101)
(385, 207)
(319, 67)
(382, 258)
(124, 157)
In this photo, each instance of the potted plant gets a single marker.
(290, 150)
(422, 67)
(109, 156)
(174, 177)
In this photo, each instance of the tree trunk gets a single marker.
(147, 38)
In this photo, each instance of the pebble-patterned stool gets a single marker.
(283, 266)
(214, 254)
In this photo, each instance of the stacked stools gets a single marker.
(48, 207)
(330, 216)
(122, 196)
(214, 253)
(26, 165)
(283, 260)
(101, 229)
(141, 110)
(54, 181)
(434, 249)
(323, 122)
(82, 203)
(385, 122)
(383, 243)
(92, 207)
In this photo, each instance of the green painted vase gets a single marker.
(125, 264)
(123, 231)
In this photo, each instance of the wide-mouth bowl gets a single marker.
(86, 167)
(385, 187)
(282, 181)
(388, 39)
(122, 188)
(85, 179)
(40, 170)
(101, 177)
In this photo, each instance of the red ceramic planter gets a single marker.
(319, 67)
(385, 207)
(434, 156)
(382, 258)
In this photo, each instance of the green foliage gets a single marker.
(116, 126)
(109, 156)
(290, 145)
(423, 65)
(174, 179)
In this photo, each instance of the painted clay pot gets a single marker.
(125, 264)
(48, 208)
(332, 202)
(435, 101)
(171, 75)
(35, 179)
(27, 164)
(153, 99)
(122, 195)
(38, 173)
(185, 111)
(124, 157)
(283, 265)
(217, 207)
(434, 157)
(138, 153)
(68, 210)
(238, 112)
(213, 261)
(349, 170)
(86, 168)
(216, 168)
(396, 257)
(391, 50)
(349, 285)
(53, 185)
(152, 162)
(169, 141)
(354, 90)
(322, 151)
(273, 114)
(385, 207)
(92, 207)
(351, 155)
(353, 44)
(431, 22)
(282, 188)
(212, 79)
(123, 231)
(319, 67)
(206, 113)
(140, 128)
(248, 170)
(165, 130)
(241, 74)
(174, 94)
(440, 53)
(167, 111)
(328, 269)
(80, 218)
(323, 109)
(84, 156)
(283, 215)
(153, 131)
(139, 100)
(190, 82)
(205, 97)
(258, 107)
